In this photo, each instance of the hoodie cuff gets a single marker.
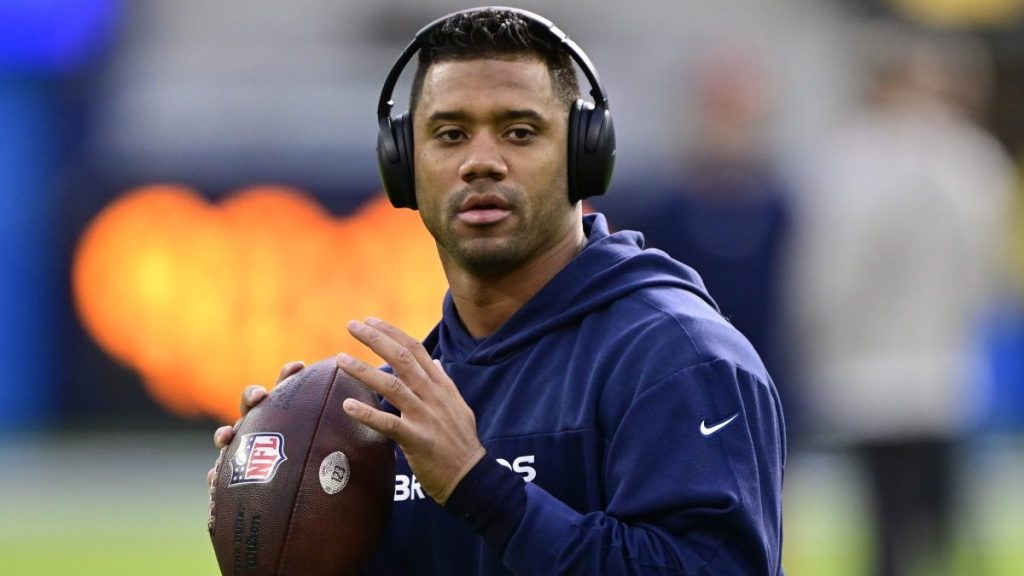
(492, 500)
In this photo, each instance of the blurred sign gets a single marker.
(204, 299)
(53, 34)
(962, 12)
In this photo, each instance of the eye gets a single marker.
(520, 134)
(450, 135)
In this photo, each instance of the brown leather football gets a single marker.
(302, 489)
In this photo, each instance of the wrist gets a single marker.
(491, 499)
(470, 463)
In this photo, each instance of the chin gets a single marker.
(488, 256)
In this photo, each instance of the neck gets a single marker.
(486, 301)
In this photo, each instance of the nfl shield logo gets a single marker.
(258, 457)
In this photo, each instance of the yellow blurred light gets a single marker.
(954, 13)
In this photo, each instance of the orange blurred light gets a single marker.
(205, 299)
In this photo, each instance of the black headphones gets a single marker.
(591, 133)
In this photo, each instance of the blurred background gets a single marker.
(189, 199)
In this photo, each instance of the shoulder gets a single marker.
(681, 364)
(667, 345)
(669, 329)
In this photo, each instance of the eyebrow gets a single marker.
(503, 116)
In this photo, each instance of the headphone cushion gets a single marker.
(404, 131)
(574, 146)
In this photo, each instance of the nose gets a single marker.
(483, 161)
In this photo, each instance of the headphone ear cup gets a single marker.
(395, 161)
(591, 150)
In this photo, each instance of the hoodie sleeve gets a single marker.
(694, 479)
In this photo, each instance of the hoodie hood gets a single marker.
(609, 267)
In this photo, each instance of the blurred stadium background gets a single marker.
(189, 197)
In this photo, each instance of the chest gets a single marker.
(538, 417)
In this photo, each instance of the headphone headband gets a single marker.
(538, 23)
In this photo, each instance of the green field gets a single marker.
(120, 505)
(105, 506)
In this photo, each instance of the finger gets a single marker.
(440, 376)
(211, 476)
(392, 388)
(289, 369)
(222, 436)
(386, 423)
(412, 344)
(251, 396)
(399, 357)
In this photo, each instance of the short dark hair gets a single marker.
(494, 33)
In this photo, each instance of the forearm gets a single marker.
(535, 533)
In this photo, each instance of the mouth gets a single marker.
(483, 209)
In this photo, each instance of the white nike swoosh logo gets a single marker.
(709, 431)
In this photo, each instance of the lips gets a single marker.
(483, 209)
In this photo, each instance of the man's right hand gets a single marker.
(251, 396)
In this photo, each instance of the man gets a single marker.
(896, 265)
(726, 209)
(582, 407)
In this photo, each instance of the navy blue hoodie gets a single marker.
(629, 429)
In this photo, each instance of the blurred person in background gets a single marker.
(894, 266)
(726, 212)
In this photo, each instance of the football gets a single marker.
(302, 488)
